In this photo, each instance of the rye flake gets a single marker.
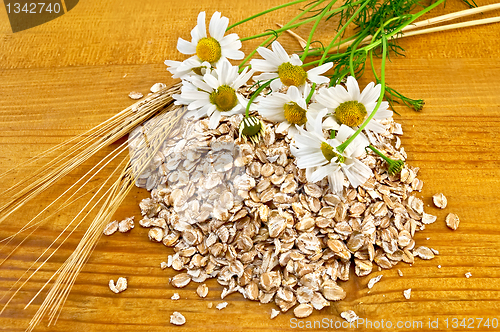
(246, 215)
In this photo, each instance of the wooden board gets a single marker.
(66, 76)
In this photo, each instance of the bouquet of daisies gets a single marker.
(329, 127)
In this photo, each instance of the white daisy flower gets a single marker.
(288, 109)
(318, 155)
(211, 49)
(350, 107)
(185, 69)
(216, 94)
(288, 69)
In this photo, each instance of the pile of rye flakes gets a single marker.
(246, 215)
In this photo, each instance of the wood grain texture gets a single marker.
(64, 77)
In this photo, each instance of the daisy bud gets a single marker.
(395, 166)
(252, 128)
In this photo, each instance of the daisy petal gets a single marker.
(232, 54)
(270, 57)
(336, 181)
(280, 52)
(352, 88)
(375, 126)
(214, 120)
(200, 26)
(295, 60)
(218, 26)
(231, 41)
(185, 47)
(276, 85)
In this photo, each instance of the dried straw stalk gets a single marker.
(432, 21)
(85, 146)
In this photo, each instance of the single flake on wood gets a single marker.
(221, 305)
(452, 221)
(407, 293)
(111, 228)
(120, 286)
(439, 200)
(373, 281)
(177, 318)
(349, 315)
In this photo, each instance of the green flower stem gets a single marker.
(374, 149)
(316, 62)
(327, 49)
(344, 145)
(255, 94)
(318, 20)
(320, 51)
(341, 148)
(265, 12)
(413, 17)
(370, 53)
(313, 88)
(395, 166)
(284, 28)
(353, 51)
(374, 43)
(416, 104)
(288, 27)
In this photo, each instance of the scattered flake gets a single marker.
(468, 275)
(126, 224)
(180, 280)
(439, 200)
(373, 281)
(428, 218)
(349, 315)
(135, 95)
(120, 286)
(407, 293)
(423, 252)
(439, 266)
(210, 305)
(452, 221)
(400, 273)
(202, 290)
(274, 313)
(157, 87)
(163, 265)
(177, 318)
(175, 297)
(221, 305)
(303, 310)
(111, 228)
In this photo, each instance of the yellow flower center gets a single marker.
(294, 113)
(330, 153)
(208, 49)
(224, 98)
(291, 75)
(351, 113)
